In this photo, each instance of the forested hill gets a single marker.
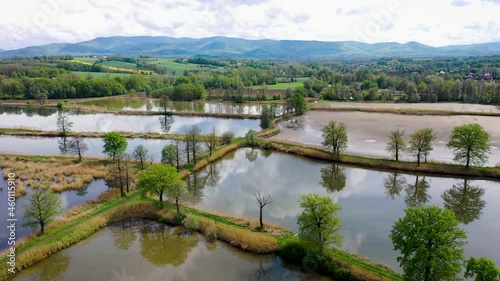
(243, 48)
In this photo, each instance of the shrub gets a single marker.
(191, 223)
(293, 252)
(59, 104)
(227, 137)
(268, 145)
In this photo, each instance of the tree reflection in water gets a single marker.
(416, 194)
(262, 273)
(124, 234)
(333, 178)
(465, 201)
(162, 245)
(59, 263)
(63, 145)
(394, 184)
(166, 122)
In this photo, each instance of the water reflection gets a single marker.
(333, 178)
(57, 268)
(166, 122)
(196, 183)
(162, 245)
(371, 200)
(417, 193)
(465, 200)
(252, 154)
(63, 145)
(124, 234)
(394, 184)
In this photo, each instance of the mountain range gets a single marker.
(224, 47)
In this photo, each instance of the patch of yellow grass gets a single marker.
(56, 175)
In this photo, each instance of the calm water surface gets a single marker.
(182, 106)
(371, 201)
(46, 119)
(46, 145)
(150, 251)
(70, 198)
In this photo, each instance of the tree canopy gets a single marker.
(335, 137)
(319, 223)
(43, 206)
(430, 242)
(114, 144)
(470, 144)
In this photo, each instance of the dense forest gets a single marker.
(473, 80)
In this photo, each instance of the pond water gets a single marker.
(150, 251)
(135, 104)
(46, 119)
(70, 198)
(367, 132)
(48, 145)
(371, 201)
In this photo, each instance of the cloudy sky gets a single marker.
(433, 22)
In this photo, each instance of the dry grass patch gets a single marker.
(57, 175)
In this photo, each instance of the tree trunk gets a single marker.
(161, 198)
(79, 154)
(397, 153)
(260, 218)
(42, 227)
(177, 205)
(418, 159)
(194, 151)
(468, 159)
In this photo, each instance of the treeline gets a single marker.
(28, 82)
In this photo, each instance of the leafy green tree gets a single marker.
(470, 144)
(481, 269)
(335, 137)
(114, 144)
(141, 154)
(396, 145)
(161, 179)
(169, 154)
(319, 223)
(43, 206)
(420, 143)
(298, 103)
(249, 137)
(431, 244)
(265, 117)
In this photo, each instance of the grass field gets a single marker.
(119, 64)
(88, 60)
(100, 74)
(282, 86)
(179, 68)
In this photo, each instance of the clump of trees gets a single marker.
(420, 144)
(163, 179)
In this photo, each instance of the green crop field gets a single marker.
(120, 64)
(179, 68)
(89, 60)
(100, 74)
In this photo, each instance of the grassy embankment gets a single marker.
(82, 221)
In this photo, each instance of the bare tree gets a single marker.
(141, 154)
(212, 140)
(193, 138)
(64, 125)
(76, 146)
(263, 200)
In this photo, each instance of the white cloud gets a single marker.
(32, 22)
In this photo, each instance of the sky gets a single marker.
(432, 22)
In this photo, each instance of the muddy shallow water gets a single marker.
(456, 107)
(367, 132)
